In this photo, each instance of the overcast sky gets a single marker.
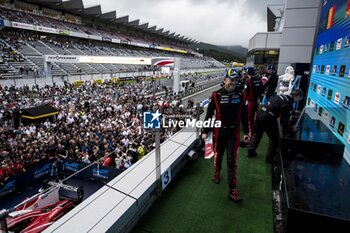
(219, 22)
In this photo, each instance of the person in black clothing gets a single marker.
(227, 103)
(57, 170)
(254, 90)
(272, 81)
(267, 122)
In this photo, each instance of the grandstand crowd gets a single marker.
(95, 122)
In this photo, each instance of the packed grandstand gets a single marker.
(30, 33)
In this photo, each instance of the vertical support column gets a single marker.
(158, 171)
(197, 119)
(176, 73)
(47, 69)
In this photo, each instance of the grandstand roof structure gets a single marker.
(77, 7)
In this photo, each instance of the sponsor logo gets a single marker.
(124, 42)
(46, 29)
(341, 128)
(339, 42)
(64, 32)
(74, 167)
(154, 120)
(332, 122)
(42, 171)
(342, 71)
(328, 68)
(100, 173)
(325, 116)
(346, 102)
(337, 98)
(107, 39)
(346, 42)
(22, 25)
(61, 58)
(151, 120)
(9, 187)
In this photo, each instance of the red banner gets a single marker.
(209, 149)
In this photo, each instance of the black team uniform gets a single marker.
(254, 90)
(266, 121)
(228, 108)
(270, 85)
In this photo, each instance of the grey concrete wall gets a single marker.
(298, 33)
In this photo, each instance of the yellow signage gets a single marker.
(115, 80)
(98, 81)
(168, 49)
(78, 83)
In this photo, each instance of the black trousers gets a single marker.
(265, 123)
(227, 139)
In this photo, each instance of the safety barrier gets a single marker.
(41, 171)
(33, 175)
(117, 206)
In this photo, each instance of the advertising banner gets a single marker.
(22, 25)
(34, 175)
(166, 49)
(162, 61)
(94, 172)
(94, 37)
(116, 60)
(8, 187)
(71, 166)
(2, 23)
(63, 32)
(62, 58)
(98, 81)
(78, 34)
(143, 45)
(42, 171)
(114, 80)
(107, 39)
(117, 41)
(180, 51)
(46, 29)
(124, 42)
(78, 83)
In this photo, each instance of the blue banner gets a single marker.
(2, 23)
(34, 175)
(8, 187)
(42, 171)
(94, 172)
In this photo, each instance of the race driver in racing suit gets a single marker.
(227, 103)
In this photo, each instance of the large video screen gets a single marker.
(329, 88)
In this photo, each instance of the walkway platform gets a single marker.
(192, 203)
